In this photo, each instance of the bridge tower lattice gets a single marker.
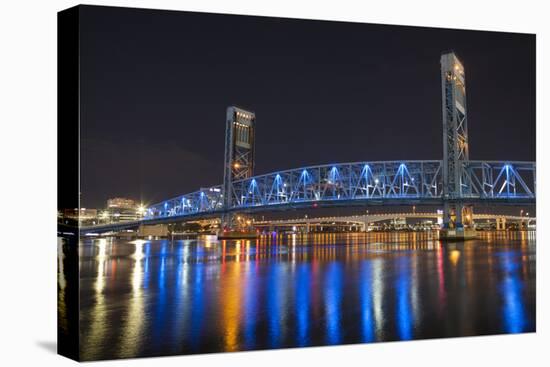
(239, 153)
(455, 142)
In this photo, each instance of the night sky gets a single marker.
(155, 86)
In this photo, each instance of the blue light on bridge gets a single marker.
(365, 173)
(334, 176)
(278, 183)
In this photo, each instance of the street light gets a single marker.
(141, 209)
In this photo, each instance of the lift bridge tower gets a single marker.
(457, 217)
(240, 128)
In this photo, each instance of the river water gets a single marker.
(163, 297)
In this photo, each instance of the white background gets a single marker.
(28, 181)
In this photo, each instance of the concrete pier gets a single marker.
(237, 235)
(457, 234)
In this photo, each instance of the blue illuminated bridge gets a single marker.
(358, 183)
(455, 182)
(351, 184)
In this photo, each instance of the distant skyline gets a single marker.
(155, 86)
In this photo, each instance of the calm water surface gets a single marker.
(159, 297)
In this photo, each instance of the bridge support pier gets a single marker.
(155, 230)
(226, 221)
(457, 222)
(501, 224)
(453, 215)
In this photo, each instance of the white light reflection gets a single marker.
(415, 300)
(293, 251)
(62, 284)
(100, 258)
(98, 324)
(134, 320)
(60, 269)
(378, 295)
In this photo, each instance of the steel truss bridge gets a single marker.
(359, 183)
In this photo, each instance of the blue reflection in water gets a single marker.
(274, 304)
(302, 297)
(146, 272)
(162, 272)
(513, 312)
(180, 313)
(160, 320)
(404, 323)
(182, 310)
(333, 298)
(197, 308)
(366, 301)
(250, 311)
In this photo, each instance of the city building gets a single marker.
(399, 223)
(83, 217)
(121, 210)
(121, 203)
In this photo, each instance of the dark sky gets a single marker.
(155, 86)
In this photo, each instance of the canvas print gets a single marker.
(235, 183)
